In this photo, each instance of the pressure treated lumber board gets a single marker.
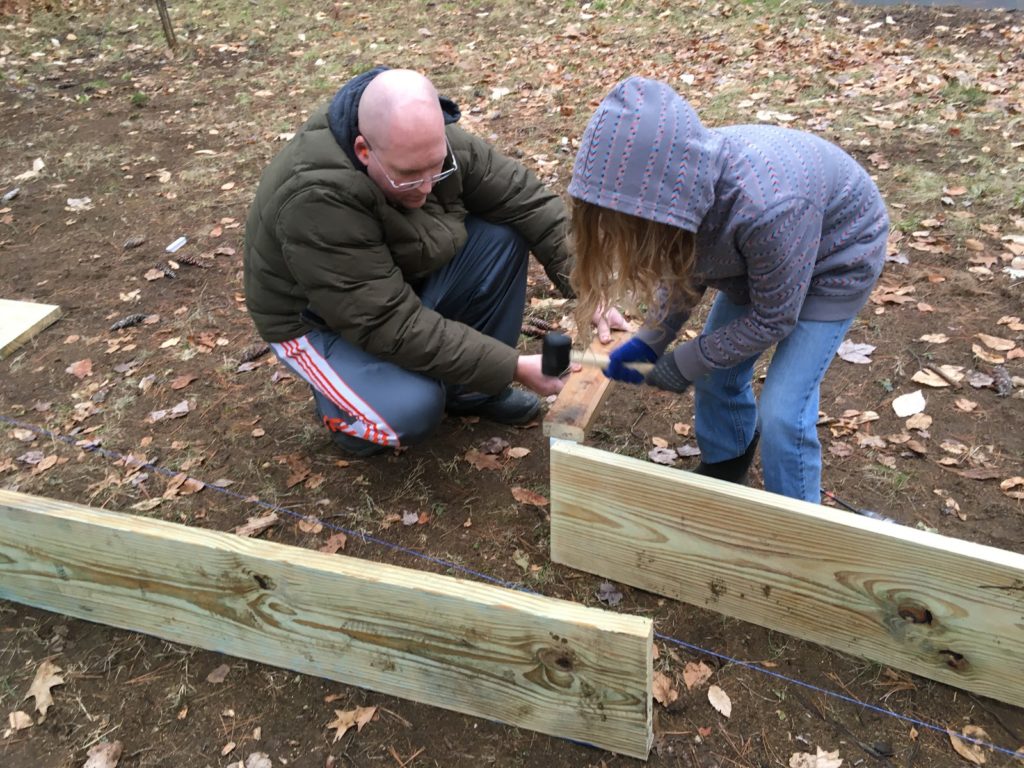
(530, 661)
(569, 416)
(939, 607)
(21, 320)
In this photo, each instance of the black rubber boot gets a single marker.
(732, 470)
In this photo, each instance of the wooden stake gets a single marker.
(942, 608)
(165, 21)
(548, 665)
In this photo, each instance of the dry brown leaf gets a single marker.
(334, 543)
(983, 354)
(821, 759)
(518, 452)
(919, 421)
(218, 675)
(720, 700)
(343, 720)
(19, 721)
(997, 343)
(257, 525)
(974, 753)
(929, 379)
(47, 677)
(482, 460)
(681, 429)
(310, 524)
(106, 754)
(934, 338)
(183, 381)
(47, 463)
(80, 369)
(526, 496)
(659, 442)
(23, 435)
(963, 404)
(696, 674)
(1013, 487)
(663, 689)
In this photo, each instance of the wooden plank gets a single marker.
(942, 608)
(21, 320)
(530, 661)
(569, 416)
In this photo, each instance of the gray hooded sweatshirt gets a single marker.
(785, 222)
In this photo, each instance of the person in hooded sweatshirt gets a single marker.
(787, 227)
(386, 254)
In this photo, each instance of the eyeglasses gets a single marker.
(405, 186)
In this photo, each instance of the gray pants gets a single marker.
(361, 396)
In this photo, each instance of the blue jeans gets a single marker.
(727, 415)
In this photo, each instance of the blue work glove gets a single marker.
(633, 351)
(667, 376)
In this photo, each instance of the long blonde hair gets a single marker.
(622, 260)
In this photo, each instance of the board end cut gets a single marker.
(20, 321)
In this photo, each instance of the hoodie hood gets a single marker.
(646, 153)
(343, 113)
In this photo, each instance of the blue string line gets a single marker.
(511, 585)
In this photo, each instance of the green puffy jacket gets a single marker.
(321, 235)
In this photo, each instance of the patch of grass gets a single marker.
(959, 95)
(139, 99)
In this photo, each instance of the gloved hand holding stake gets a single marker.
(633, 351)
(667, 376)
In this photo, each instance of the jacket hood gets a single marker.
(343, 113)
(646, 153)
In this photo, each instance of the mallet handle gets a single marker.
(593, 358)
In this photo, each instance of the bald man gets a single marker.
(385, 262)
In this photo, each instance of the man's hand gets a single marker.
(607, 321)
(633, 351)
(528, 373)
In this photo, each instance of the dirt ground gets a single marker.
(140, 146)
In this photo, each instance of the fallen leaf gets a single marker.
(720, 700)
(257, 525)
(183, 381)
(608, 594)
(821, 759)
(963, 404)
(971, 752)
(853, 352)
(696, 673)
(310, 524)
(23, 435)
(979, 380)
(997, 343)
(666, 456)
(19, 720)
(663, 689)
(909, 404)
(45, 464)
(681, 429)
(343, 720)
(934, 338)
(335, 543)
(227, 749)
(106, 754)
(919, 421)
(259, 432)
(659, 442)
(983, 354)
(218, 675)
(518, 453)
(258, 760)
(482, 460)
(929, 379)
(521, 559)
(1009, 485)
(47, 677)
(148, 504)
(80, 369)
(526, 496)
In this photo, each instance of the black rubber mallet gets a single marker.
(557, 355)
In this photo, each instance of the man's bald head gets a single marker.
(399, 106)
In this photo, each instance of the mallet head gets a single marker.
(555, 355)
